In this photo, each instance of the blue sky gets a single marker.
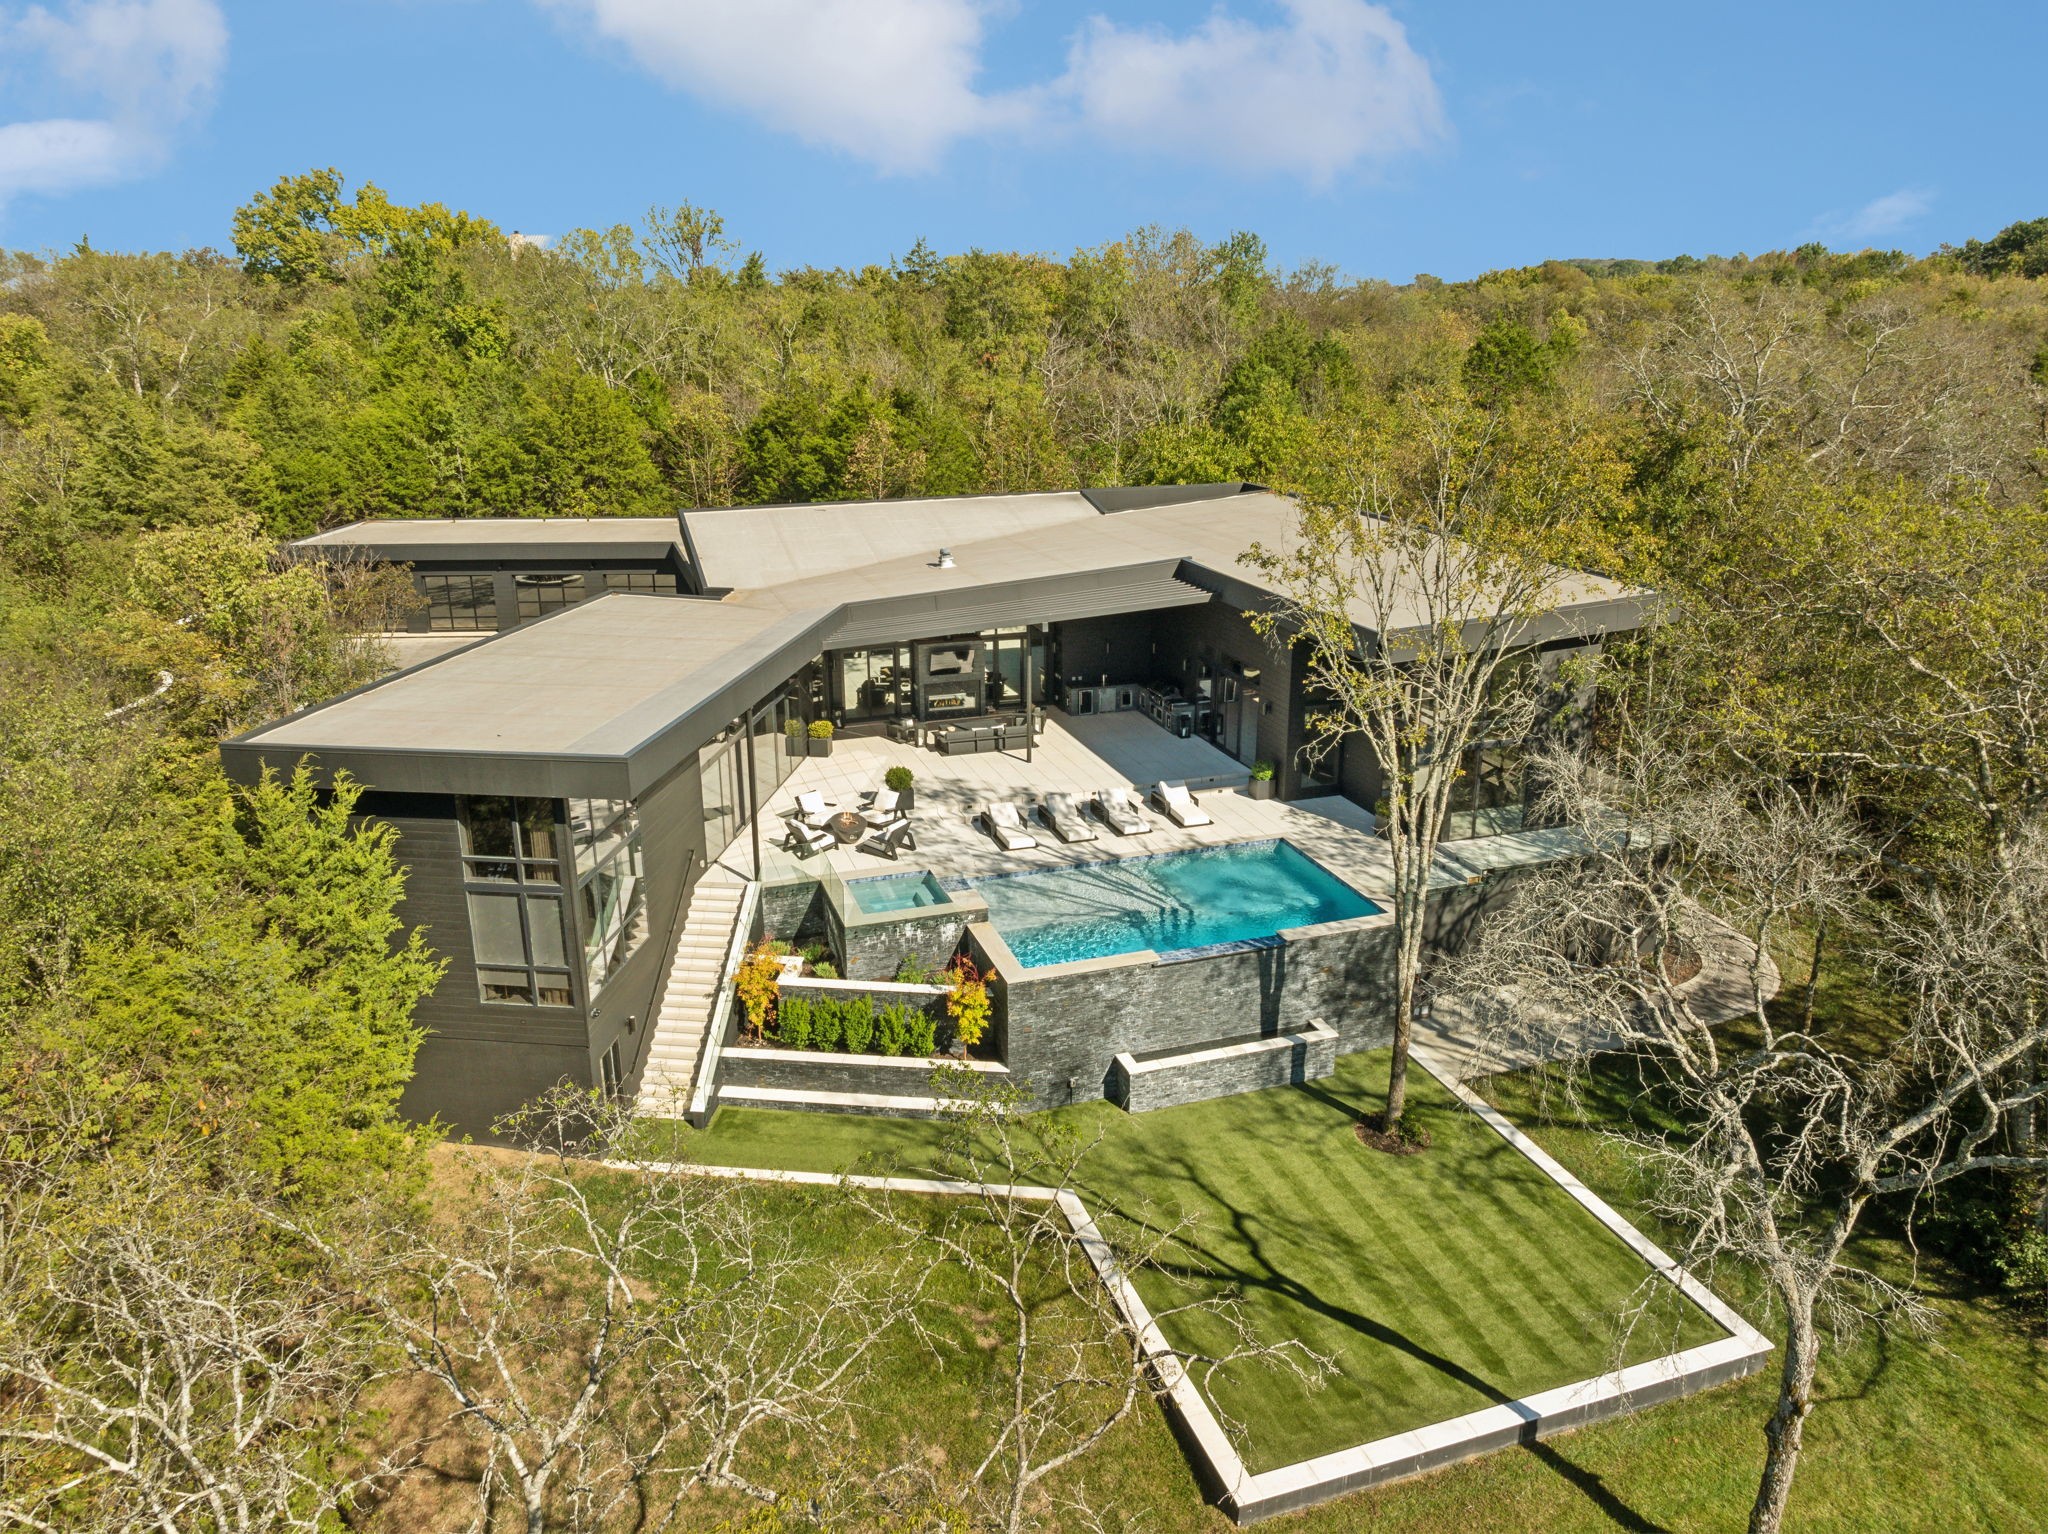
(1384, 139)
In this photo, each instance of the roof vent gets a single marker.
(945, 559)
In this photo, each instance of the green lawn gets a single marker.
(1437, 1284)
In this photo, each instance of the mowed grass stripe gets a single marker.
(1436, 1283)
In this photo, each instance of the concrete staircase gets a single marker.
(707, 948)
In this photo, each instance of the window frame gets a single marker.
(528, 871)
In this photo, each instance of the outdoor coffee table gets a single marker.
(847, 827)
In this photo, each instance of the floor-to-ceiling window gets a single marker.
(721, 768)
(1487, 799)
(1006, 651)
(512, 883)
(871, 684)
(611, 897)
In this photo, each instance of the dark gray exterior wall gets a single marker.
(1119, 647)
(480, 1060)
(477, 1060)
(1301, 1059)
(1220, 634)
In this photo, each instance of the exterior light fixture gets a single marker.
(945, 559)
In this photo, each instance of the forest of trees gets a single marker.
(1833, 467)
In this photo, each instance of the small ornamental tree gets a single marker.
(969, 1004)
(757, 986)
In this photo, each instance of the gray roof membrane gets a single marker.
(639, 682)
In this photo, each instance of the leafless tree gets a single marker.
(1787, 1137)
(166, 1365)
(1075, 1367)
(1413, 603)
(612, 1333)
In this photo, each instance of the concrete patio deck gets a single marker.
(1072, 755)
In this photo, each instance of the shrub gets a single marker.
(793, 728)
(812, 952)
(821, 729)
(828, 1022)
(825, 969)
(913, 971)
(1262, 772)
(756, 985)
(892, 1029)
(859, 1025)
(896, 779)
(969, 1006)
(923, 1037)
(793, 1021)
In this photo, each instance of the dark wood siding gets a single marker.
(478, 1060)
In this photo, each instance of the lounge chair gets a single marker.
(813, 808)
(1179, 804)
(1120, 812)
(805, 840)
(881, 805)
(1006, 826)
(890, 838)
(1064, 816)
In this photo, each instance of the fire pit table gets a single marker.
(847, 827)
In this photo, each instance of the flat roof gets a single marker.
(608, 696)
(738, 547)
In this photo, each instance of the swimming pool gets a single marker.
(1169, 902)
(896, 892)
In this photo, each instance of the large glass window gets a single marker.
(873, 683)
(1487, 798)
(512, 877)
(1006, 669)
(611, 896)
(719, 770)
(645, 582)
(461, 603)
(540, 595)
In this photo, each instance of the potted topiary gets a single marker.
(821, 737)
(1262, 780)
(794, 743)
(899, 780)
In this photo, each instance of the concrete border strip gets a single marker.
(1246, 1497)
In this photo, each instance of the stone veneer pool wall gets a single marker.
(1061, 1026)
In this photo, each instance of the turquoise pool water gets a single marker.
(896, 892)
(1170, 903)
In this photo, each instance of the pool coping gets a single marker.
(1247, 1497)
(1005, 957)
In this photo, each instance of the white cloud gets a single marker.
(145, 67)
(1327, 85)
(889, 81)
(1877, 218)
(1332, 85)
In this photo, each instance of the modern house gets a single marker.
(609, 723)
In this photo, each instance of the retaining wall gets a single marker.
(1061, 1027)
(1141, 1083)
